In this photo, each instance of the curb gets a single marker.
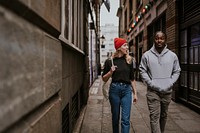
(79, 122)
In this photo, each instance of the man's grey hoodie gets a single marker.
(160, 71)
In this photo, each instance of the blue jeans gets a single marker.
(120, 95)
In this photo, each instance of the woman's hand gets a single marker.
(113, 68)
(135, 98)
(109, 74)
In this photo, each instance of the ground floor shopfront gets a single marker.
(181, 22)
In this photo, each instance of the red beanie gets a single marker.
(119, 42)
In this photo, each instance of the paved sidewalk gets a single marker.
(96, 117)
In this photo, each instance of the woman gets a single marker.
(122, 85)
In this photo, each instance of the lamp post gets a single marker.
(102, 47)
(92, 27)
(102, 41)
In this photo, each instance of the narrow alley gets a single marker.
(52, 53)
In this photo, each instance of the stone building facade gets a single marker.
(44, 78)
(140, 19)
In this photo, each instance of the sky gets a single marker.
(109, 17)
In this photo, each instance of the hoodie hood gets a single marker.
(159, 55)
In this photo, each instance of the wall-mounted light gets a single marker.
(102, 41)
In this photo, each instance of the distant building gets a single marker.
(109, 31)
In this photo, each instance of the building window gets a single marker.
(73, 14)
(125, 20)
(190, 52)
(66, 30)
(130, 9)
(195, 44)
(189, 59)
(138, 4)
(72, 24)
(183, 47)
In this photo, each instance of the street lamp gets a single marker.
(102, 41)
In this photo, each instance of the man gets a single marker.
(159, 69)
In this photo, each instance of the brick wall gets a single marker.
(171, 25)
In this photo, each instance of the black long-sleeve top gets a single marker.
(124, 72)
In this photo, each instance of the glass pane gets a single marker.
(199, 82)
(199, 54)
(191, 55)
(184, 78)
(196, 56)
(185, 82)
(183, 38)
(195, 34)
(73, 20)
(196, 41)
(184, 55)
(196, 80)
(191, 80)
(66, 30)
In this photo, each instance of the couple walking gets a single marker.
(159, 69)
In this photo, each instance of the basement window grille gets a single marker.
(65, 119)
(74, 109)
